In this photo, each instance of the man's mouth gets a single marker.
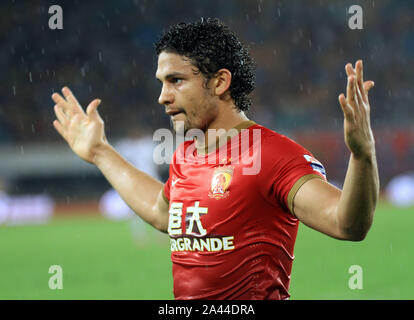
(174, 113)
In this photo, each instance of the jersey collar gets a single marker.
(242, 125)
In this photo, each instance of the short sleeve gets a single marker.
(286, 166)
(167, 185)
(166, 191)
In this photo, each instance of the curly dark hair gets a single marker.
(211, 45)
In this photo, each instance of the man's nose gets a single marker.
(166, 97)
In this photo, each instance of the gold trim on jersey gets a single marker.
(296, 187)
(244, 125)
(164, 196)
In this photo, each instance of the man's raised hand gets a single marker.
(355, 106)
(84, 132)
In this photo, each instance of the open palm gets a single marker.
(355, 106)
(84, 132)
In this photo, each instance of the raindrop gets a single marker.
(33, 128)
(14, 90)
(259, 8)
(43, 51)
(83, 72)
(100, 56)
(278, 11)
(21, 150)
(30, 77)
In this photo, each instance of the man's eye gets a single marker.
(176, 80)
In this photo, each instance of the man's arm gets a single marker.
(140, 191)
(84, 132)
(346, 214)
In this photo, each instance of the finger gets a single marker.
(349, 69)
(56, 97)
(346, 108)
(72, 100)
(92, 111)
(360, 81)
(70, 96)
(368, 85)
(359, 95)
(59, 128)
(359, 105)
(356, 103)
(350, 91)
(66, 107)
(61, 115)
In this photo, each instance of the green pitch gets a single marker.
(101, 259)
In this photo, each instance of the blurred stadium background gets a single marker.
(57, 210)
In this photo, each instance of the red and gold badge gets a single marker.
(220, 183)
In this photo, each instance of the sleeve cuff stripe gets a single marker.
(296, 187)
(165, 197)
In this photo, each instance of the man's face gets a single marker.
(184, 94)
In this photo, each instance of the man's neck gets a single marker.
(219, 130)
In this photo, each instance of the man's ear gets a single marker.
(222, 81)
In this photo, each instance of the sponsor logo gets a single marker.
(202, 244)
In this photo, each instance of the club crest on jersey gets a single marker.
(315, 164)
(220, 183)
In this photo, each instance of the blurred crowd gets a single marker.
(106, 50)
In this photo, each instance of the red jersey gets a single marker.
(231, 228)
